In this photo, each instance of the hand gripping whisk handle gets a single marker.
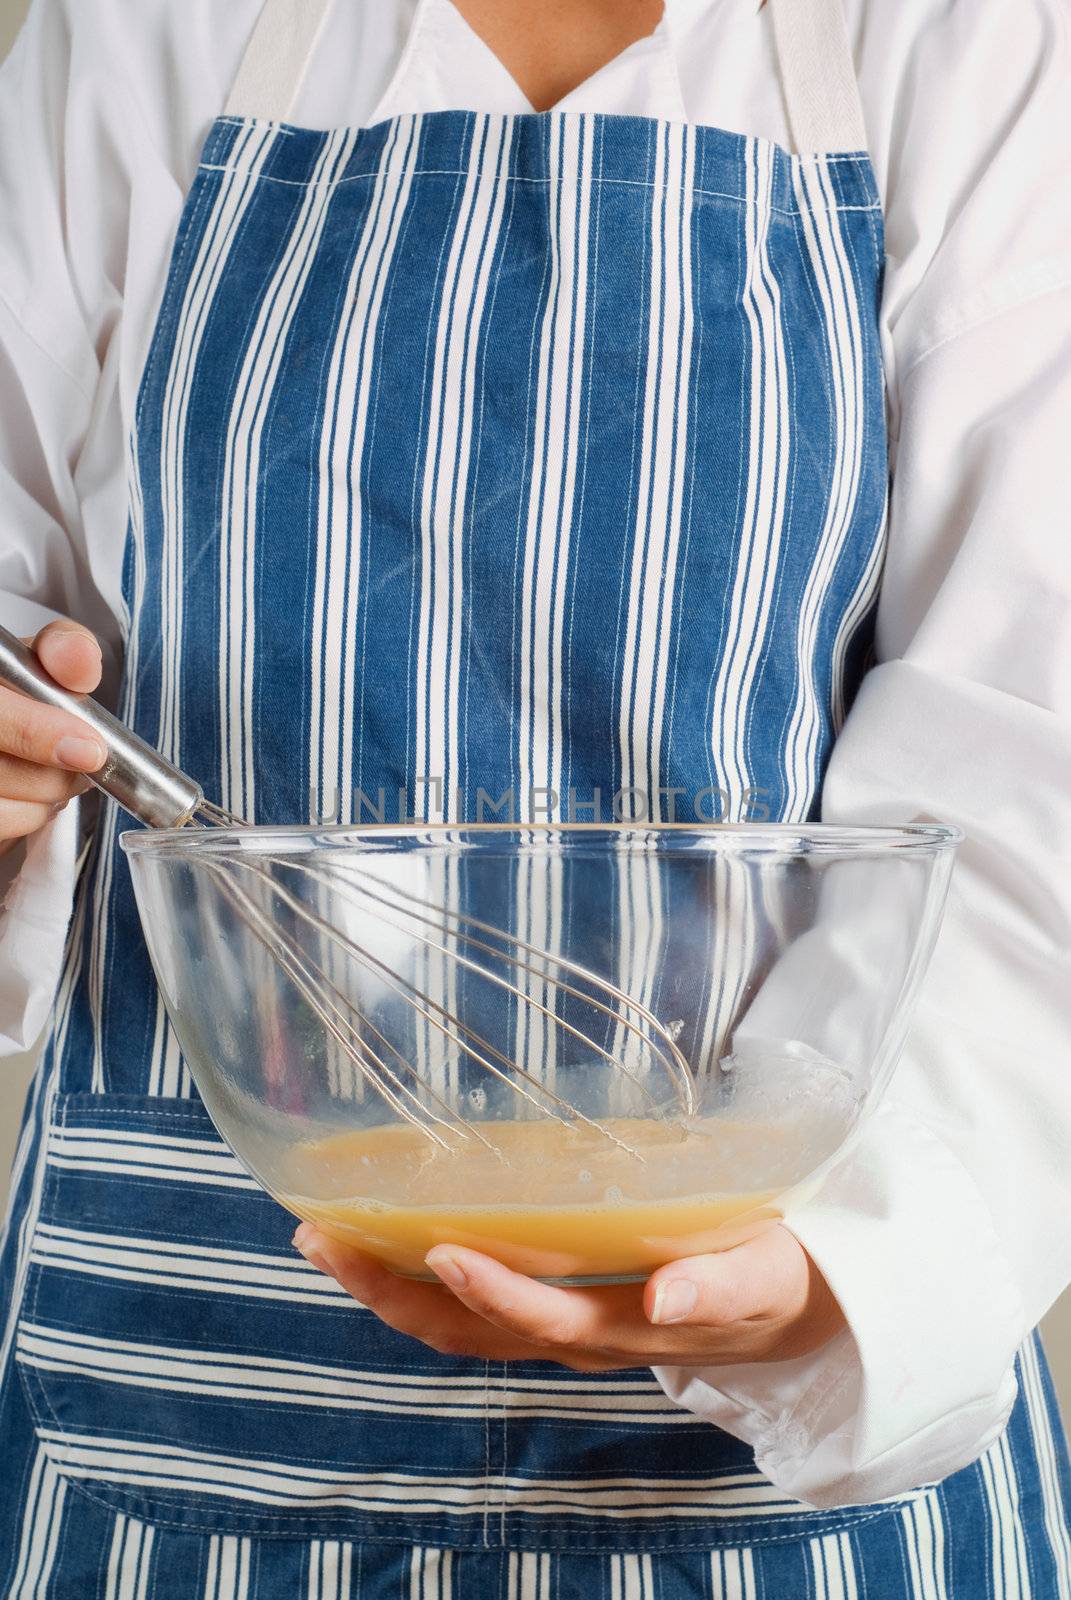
(134, 774)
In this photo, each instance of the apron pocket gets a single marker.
(185, 1365)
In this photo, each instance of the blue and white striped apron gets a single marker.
(538, 455)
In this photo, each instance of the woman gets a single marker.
(465, 447)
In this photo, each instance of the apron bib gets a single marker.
(475, 456)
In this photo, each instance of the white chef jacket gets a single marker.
(943, 1233)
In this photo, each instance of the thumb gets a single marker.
(766, 1277)
(70, 654)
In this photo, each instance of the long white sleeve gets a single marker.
(64, 204)
(56, 312)
(937, 1233)
(104, 105)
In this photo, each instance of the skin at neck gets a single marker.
(550, 47)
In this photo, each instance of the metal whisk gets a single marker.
(158, 794)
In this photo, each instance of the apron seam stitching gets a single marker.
(515, 177)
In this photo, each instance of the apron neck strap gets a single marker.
(818, 75)
(817, 72)
(276, 57)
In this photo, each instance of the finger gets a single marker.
(611, 1333)
(20, 818)
(600, 1321)
(424, 1311)
(591, 1329)
(766, 1278)
(26, 780)
(41, 734)
(70, 654)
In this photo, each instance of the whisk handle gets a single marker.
(134, 774)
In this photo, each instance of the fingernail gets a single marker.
(674, 1300)
(65, 630)
(82, 755)
(446, 1267)
(304, 1241)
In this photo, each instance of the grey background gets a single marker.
(15, 1073)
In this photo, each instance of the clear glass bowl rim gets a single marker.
(728, 838)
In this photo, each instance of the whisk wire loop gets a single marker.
(401, 911)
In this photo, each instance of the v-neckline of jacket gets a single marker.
(438, 34)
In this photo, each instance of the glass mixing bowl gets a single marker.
(585, 1050)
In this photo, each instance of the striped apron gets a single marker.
(474, 455)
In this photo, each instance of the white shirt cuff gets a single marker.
(33, 928)
(923, 1381)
